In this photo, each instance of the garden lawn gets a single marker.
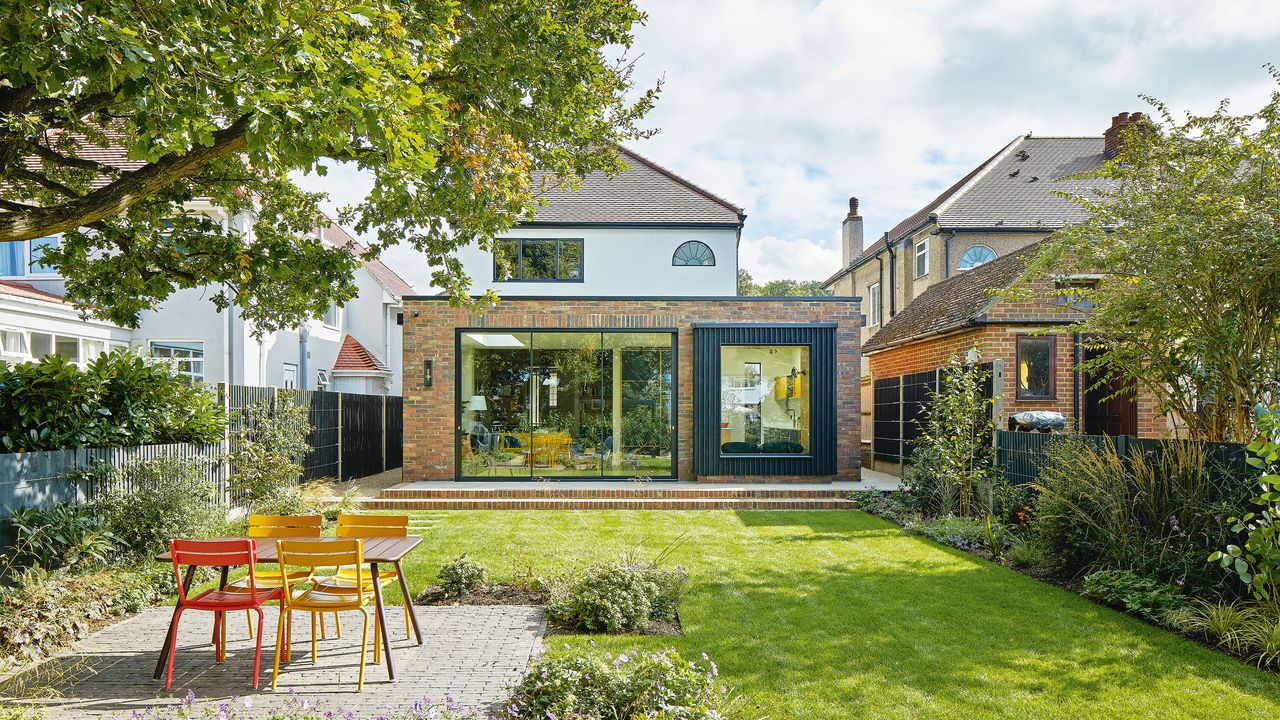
(843, 615)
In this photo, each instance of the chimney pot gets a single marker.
(1113, 139)
(853, 207)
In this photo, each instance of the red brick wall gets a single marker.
(430, 419)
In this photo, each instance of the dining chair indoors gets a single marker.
(221, 554)
(319, 599)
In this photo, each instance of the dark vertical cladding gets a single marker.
(707, 457)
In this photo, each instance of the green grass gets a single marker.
(842, 615)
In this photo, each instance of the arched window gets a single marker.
(693, 253)
(975, 256)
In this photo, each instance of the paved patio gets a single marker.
(472, 654)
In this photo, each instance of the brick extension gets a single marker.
(430, 413)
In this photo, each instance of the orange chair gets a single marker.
(369, 526)
(345, 554)
(277, 526)
(221, 554)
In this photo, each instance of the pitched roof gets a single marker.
(1019, 191)
(353, 356)
(993, 196)
(957, 302)
(645, 193)
(335, 235)
(26, 290)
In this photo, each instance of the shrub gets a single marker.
(163, 498)
(583, 685)
(1158, 513)
(42, 611)
(956, 440)
(1257, 563)
(1025, 551)
(60, 535)
(266, 467)
(958, 532)
(617, 596)
(893, 505)
(1133, 593)
(120, 398)
(1223, 623)
(462, 576)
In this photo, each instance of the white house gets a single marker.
(355, 348)
(643, 232)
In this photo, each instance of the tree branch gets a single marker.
(120, 194)
(44, 182)
(57, 158)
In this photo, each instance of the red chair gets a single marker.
(220, 554)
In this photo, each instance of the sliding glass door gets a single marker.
(566, 404)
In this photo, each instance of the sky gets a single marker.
(788, 108)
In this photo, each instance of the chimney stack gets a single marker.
(851, 235)
(1113, 138)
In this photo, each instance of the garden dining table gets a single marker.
(377, 551)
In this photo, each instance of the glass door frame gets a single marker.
(674, 412)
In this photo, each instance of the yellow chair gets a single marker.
(276, 526)
(368, 526)
(346, 554)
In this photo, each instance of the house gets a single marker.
(1007, 203)
(354, 348)
(619, 349)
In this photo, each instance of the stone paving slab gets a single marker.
(473, 654)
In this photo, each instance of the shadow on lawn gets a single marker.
(945, 632)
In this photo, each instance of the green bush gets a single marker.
(60, 535)
(1159, 513)
(584, 685)
(119, 399)
(956, 458)
(958, 532)
(1132, 592)
(267, 466)
(893, 505)
(1256, 560)
(165, 498)
(617, 596)
(462, 576)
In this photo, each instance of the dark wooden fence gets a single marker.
(352, 435)
(900, 407)
(1021, 454)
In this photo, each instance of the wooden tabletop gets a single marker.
(376, 549)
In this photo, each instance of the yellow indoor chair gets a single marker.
(276, 526)
(346, 554)
(368, 526)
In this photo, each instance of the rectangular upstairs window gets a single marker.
(1037, 366)
(922, 258)
(873, 304)
(538, 260)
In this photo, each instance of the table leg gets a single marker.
(168, 636)
(222, 585)
(408, 601)
(382, 619)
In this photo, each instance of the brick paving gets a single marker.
(471, 653)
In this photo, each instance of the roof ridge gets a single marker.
(681, 180)
(981, 172)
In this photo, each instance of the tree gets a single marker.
(779, 288)
(116, 114)
(1184, 241)
(954, 448)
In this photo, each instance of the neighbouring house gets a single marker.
(1007, 203)
(620, 350)
(353, 348)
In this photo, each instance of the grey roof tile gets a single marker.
(642, 194)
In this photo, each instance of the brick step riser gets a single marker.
(621, 493)
(588, 504)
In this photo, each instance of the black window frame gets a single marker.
(688, 243)
(518, 270)
(1019, 393)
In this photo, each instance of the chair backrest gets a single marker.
(373, 525)
(320, 553)
(212, 553)
(277, 526)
